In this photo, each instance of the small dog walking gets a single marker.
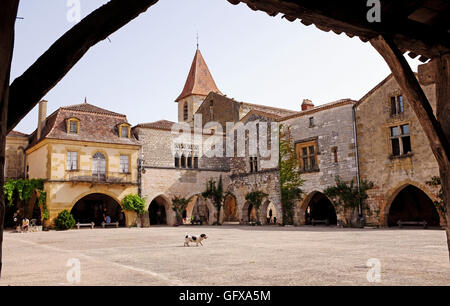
(194, 239)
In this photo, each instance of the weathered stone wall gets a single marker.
(391, 174)
(333, 128)
(15, 157)
(160, 179)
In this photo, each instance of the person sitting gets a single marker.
(108, 219)
(25, 225)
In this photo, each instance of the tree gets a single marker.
(348, 198)
(215, 194)
(255, 199)
(290, 179)
(179, 204)
(18, 98)
(439, 203)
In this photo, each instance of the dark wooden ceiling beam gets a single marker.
(350, 17)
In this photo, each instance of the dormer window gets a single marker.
(73, 126)
(124, 130)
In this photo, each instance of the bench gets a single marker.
(116, 224)
(91, 225)
(401, 223)
(325, 221)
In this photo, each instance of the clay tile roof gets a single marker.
(322, 107)
(160, 125)
(89, 108)
(16, 134)
(96, 125)
(281, 112)
(199, 81)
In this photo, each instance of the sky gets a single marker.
(253, 58)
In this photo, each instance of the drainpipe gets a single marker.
(140, 167)
(356, 155)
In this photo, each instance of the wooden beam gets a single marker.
(416, 97)
(26, 91)
(8, 13)
(350, 17)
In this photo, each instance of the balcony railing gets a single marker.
(98, 177)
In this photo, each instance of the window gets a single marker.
(185, 112)
(99, 165)
(397, 106)
(73, 126)
(189, 161)
(307, 155)
(177, 161)
(334, 150)
(124, 164)
(400, 140)
(311, 122)
(72, 161)
(253, 164)
(183, 161)
(124, 132)
(196, 162)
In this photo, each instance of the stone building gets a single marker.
(90, 158)
(173, 167)
(325, 146)
(16, 143)
(395, 154)
(87, 157)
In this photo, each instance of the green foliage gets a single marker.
(439, 203)
(178, 206)
(134, 202)
(215, 194)
(65, 220)
(346, 196)
(23, 189)
(290, 179)
(255, 198)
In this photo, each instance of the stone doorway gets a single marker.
(412, 204)
(157, 211)
(320, 210)
(230, 211)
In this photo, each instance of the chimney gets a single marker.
(41, 117)
(307, 105)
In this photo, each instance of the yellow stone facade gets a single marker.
(48, 160)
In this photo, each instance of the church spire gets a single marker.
(199, 81)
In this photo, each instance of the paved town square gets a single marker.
(232, 255)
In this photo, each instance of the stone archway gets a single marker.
(318, 209)
(97, 208)
(411, 203)
(269, 213)
(201, 211)
(248, 213)
(230, 210)
(158, 211)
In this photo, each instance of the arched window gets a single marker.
(177, 161)
(189, 161)
(99, 165)
(183, 161)
(185, 112)
(195, 162)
